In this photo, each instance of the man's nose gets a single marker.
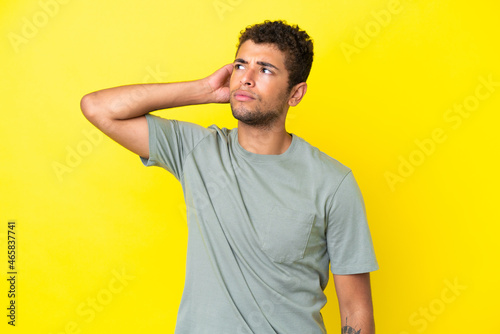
(248, 78)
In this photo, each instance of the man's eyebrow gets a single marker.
(262, 63)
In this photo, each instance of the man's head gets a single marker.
(272, 63)
(295, 43)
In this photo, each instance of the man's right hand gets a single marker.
(218, 83)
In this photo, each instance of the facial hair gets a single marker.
(261, 116)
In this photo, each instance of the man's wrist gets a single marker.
(206, 94)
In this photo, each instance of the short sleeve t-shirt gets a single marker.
(262, 229)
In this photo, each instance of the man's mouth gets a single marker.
(242, 96)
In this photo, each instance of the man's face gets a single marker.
(259, 84)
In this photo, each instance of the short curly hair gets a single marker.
(290, 39)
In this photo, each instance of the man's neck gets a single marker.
(274, 140)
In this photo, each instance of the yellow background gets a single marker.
(77, 227)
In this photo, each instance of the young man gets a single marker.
(267, 212)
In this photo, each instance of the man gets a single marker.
(267, 212)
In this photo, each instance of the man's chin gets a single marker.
(238, 110)
(257, 121)
(243, 115)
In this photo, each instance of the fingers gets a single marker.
(224, 74)
(229, 68)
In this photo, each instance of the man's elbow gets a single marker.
(88, 106)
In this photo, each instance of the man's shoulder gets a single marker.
(321, 160)
(223, 132)
(186, 126)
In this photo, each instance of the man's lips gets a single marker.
(240, 95)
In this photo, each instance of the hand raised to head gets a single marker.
(218, 83)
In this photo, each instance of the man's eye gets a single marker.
(238, 66)
(265, 70)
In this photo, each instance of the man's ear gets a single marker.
(297, 93)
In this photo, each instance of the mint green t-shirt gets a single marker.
(262, 230)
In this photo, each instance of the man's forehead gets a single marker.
(264, 52)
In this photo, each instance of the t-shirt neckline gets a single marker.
(255, 157)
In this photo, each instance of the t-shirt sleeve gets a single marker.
(170, 142)
(349, 241)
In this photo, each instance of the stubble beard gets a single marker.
(259, 117)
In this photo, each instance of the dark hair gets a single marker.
(294, 42)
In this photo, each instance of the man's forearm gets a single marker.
(358, 323)
(126, 102)
(355, 303)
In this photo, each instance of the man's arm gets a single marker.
(119, 111)
(355, 303)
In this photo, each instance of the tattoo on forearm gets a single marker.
(348, 329)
